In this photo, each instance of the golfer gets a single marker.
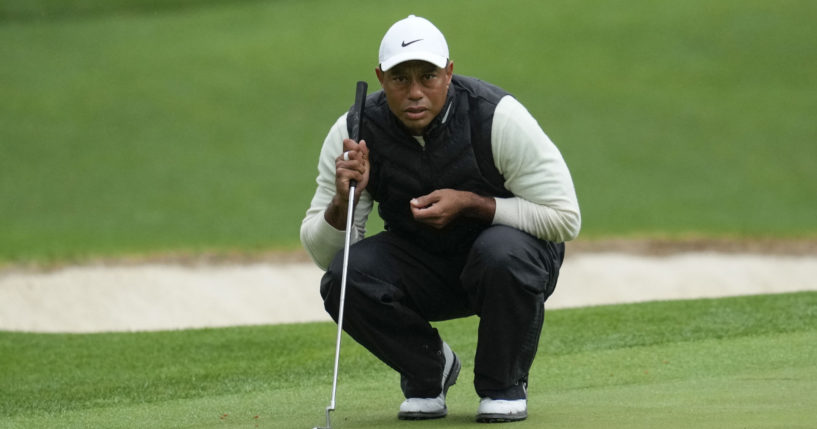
(476, 202)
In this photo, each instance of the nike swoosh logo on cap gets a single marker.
(413, 41)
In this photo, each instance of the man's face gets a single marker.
(416, 92)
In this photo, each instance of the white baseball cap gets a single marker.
(413, 38)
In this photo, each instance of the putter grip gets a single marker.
(357, 114)
(357, 110)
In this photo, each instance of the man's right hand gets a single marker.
(356, 168)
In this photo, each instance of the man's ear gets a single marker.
(449, 71)
(380, 74)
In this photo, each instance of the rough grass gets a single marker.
(137, 126)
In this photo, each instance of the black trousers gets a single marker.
(394, 289)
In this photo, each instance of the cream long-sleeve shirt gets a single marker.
(544, 202)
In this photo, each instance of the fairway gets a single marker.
(723, 363)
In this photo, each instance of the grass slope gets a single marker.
(733, 362)
(137, 126)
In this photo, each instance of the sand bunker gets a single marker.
(164, 295)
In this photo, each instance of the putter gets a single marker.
(357, 118)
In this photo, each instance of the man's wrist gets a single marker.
(480, 207)
(335, 214)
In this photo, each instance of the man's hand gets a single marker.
(352, 164)
(443, 206)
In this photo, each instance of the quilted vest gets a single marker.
(456, 155)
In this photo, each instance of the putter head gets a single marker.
(329, 409)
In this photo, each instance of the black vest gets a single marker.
(457, 155)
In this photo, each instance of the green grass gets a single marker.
(732, 362)
(145, 126)
(132, 127)
(33, 10)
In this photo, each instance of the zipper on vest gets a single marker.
(425, 157)
(422, 143)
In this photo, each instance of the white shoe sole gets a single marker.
(501, 418)
(419, 415)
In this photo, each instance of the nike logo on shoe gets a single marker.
(413, 41)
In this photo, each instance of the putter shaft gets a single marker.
(349, 215)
